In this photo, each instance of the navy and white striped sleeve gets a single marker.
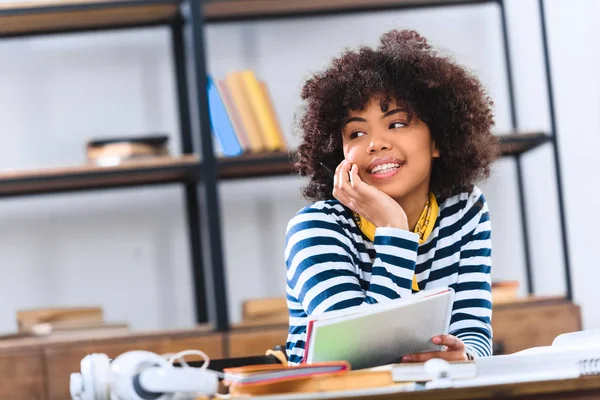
(322, 264)
(472, 312)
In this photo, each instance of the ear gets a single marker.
(435, 153)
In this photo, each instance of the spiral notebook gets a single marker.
(379, 334)
(571, 356)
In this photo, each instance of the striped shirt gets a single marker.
(331, 265)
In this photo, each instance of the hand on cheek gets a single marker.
(371, 203)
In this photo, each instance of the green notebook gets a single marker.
(377, 334)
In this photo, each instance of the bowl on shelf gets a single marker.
(115, 151)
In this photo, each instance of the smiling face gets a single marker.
(392, 148)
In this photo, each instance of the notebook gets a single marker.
(262, 374)
(323, 377)
(416, 372)
(379, 334)
(570, 356)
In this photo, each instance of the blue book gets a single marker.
(221, 124)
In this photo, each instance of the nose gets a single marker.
(378, 143)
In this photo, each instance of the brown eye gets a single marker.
(356, 134)
(394, 125)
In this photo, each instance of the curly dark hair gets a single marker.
(405, 68)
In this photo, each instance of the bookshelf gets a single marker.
(200, 179)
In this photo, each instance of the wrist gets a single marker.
(396, 224)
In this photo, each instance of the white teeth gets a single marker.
(385, 168)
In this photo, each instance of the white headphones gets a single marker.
(141, 375)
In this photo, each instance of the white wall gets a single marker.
(127, 250)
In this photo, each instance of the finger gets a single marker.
(358, 184)
(342, 175)
(445, 355)
(450, 341)
(354, 178)
(346, 185)
(342, 196)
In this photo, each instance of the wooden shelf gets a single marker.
(231, 10)
(22, 18)
(139, 173)
(255, 165)
(273, 164)
(519, 143)
(182, 169)
(47, 16)
(88, 177)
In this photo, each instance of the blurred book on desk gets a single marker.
(63, 321)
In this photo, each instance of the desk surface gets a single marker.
(582, 388)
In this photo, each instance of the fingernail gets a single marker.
(406, 358)
(437, 340)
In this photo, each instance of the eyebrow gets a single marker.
(387, 114)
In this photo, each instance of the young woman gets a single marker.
(407, 133)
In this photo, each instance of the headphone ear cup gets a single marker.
(94, 374)
(123, 374)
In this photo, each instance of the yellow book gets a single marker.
(267, 96)
(261, 109)
(235, 84)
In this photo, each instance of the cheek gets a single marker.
(420, 147)
(351, 154)
(420, 156)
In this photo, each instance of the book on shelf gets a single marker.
(259, 103)
(221, 123)
(233, 114)
(245, 120)
(378, 334)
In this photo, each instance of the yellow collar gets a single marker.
(424, 226)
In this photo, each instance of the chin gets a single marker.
(392, 189)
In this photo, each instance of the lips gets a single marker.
(384, 166)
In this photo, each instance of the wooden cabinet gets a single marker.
(256, 341)
(23, 375)
(532, 322)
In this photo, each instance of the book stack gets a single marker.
(242, 115)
